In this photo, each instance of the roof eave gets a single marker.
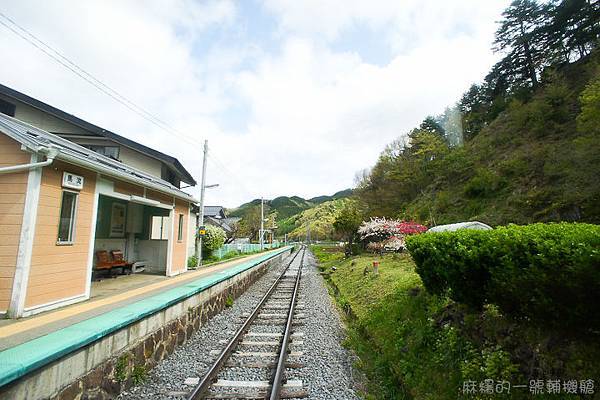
(123, 176)
(60, 114)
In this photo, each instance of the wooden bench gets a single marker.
(106, 263)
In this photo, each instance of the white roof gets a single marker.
(38, 140)
(461, 225)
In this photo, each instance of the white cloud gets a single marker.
(407, 22)
(315, 115)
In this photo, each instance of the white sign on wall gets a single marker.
(72, 181)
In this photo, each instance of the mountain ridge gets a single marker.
(287, 206)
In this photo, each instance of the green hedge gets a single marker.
(545, 273)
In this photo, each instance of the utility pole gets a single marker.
(200, 220)
(262, 223)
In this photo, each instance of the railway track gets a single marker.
(253, 363)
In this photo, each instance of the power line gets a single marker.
(109, 91)
(88, 77)
(221, 166)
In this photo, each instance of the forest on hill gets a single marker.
(521, 146)
(478, 314)
(292, 215)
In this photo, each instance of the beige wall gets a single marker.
(13, 188)
(43, 120)
(60, 271)
(52, 124)
(128, 188)
(140, 161)
(180, 247)
(163, 198)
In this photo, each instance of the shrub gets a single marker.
(484, 184)
(213, 239)
(192, 262)
(139, 374)
(546, 273)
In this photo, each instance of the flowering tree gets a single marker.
(395, 243)
(377, 229)
(410, 228)
(389, 232)
(214, 238)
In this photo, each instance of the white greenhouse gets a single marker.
(460, 225)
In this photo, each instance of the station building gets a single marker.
(70, 189)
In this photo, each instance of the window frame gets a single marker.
(73, 224)
(97, 147)
(180, 229)
(163, 225)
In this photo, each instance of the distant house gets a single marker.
(69, 189)
(215, 215)
(214, 212)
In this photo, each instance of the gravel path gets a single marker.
(327, 370)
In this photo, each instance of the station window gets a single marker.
(66, 224)
(7, 108)
(109, 151)
(180, 230)
(159, 228)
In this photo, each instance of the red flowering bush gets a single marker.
(410, 228)
(378, 229)
(389, 232)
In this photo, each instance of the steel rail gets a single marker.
(205, 383)
(280, 370)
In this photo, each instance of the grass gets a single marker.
(413, 345)
(121, 368)
(139, 375)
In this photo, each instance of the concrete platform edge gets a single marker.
(49, 364)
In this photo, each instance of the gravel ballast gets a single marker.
(326, 369)
(327, 372)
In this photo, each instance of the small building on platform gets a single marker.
(71, 194)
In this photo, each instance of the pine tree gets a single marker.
(574, 29)
(520, 36)
(430, 124)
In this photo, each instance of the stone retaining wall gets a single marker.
(104, 368)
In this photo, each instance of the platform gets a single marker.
(29, 343)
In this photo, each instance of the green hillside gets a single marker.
(336, 196)
(287, 212)
(529, 155)
(318, 220)
(287, 206)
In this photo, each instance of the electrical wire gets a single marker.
(88, 77)
(212, 158)
(109, 91)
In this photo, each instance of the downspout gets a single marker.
(50, 155)
(25, 249)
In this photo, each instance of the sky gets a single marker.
(294, 96)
